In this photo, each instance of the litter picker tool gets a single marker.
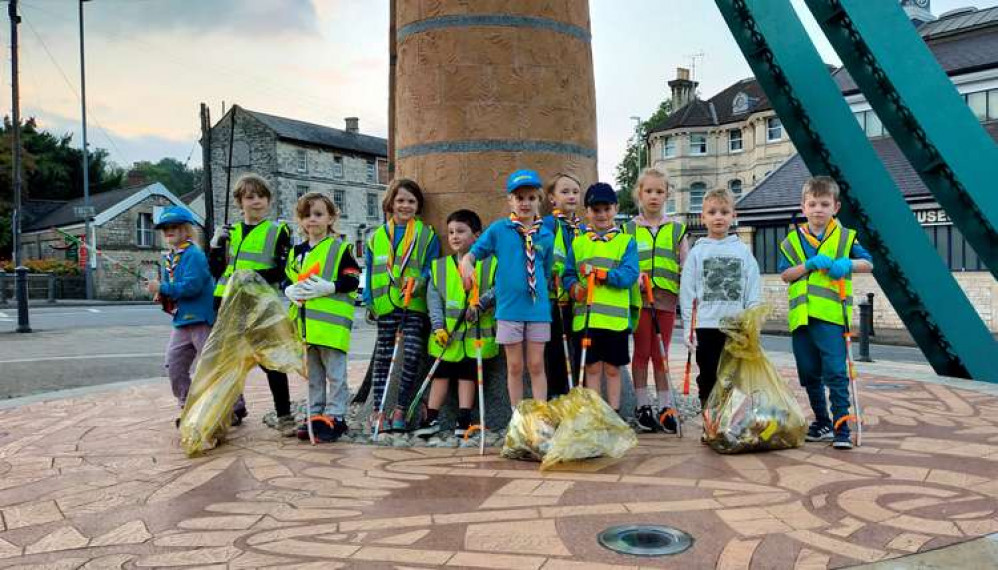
(399, 333)
(474, 300)
(564, 336)
(81, 244)
(586, 341)
(856, 416)
(673, 409)
(411, 412)
(689, 352)
(314, 270)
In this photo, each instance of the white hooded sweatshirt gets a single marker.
(723, 277)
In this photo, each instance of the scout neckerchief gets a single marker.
(605, 236)
(172, 258)
(408, 246)
(573, 221)
(527, 233)
(813, 239)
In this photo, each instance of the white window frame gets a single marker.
(697, 152)
(731, 141)
(697, 206)
(302, 160)
(668, 147)
(373, 207)
(770, 128)
(337, 166)
(145, 234)
(983, 96)
(731, 188)
(301, 189)
(372, 171)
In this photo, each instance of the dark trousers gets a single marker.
(554, 351)
(820, 352)
(710, 345)
(278, 382)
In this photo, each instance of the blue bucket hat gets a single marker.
(523, 178)
(600, 193)
(175, 215)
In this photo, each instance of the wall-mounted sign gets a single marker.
(933, 217)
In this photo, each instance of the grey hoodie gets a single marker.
(723, 276)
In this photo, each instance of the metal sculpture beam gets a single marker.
(825, 133)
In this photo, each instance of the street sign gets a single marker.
(84, 211)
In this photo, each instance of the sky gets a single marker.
(150, 63)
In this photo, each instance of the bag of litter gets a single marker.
(587, 427)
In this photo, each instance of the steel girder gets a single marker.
(921, 289)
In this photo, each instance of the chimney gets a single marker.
(683, 89)
(353, 124)
(135, 178)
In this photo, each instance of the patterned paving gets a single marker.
(98, 481)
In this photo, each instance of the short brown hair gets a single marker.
(650, 171)
(553, 181)
(720, 195)
(251, 183)
(821, 186)
(304, 207)
(409, 186)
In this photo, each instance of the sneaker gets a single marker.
(398, 421)
(428, 429)
(286, 426)
(328, 430)
(819, 433)
(842, 440)
(647, 422)
(237, 417)
(372, 422)
(317, 423)
(667, 418)
(460, 431)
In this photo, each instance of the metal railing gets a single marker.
(47, 286)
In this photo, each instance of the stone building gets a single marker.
(123, 226)
(298, 157)
(965, 42)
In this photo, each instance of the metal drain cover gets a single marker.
(645, 540)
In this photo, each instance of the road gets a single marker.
(73, 347)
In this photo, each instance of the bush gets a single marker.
(58, 266)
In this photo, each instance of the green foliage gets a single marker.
(57, 266)
(171, 173)
(628, 168)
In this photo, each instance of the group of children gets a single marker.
(548, 289)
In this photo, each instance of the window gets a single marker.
(978, 103)
(697, 190)
(338, 167)
(774, 129)
(861, 119)
(372, 171)
(339, 200)
(145, 234)
(301, 189)
(735, 186)
(874, 128)
(670, 205)
(373, 208)
(669, 147)
(993, 104)
(735, 140)
(766, 246)
(698, 144)
(302, 160)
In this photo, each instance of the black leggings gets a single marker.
(554, 352)
(710, 345)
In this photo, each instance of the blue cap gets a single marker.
(175, 215)
(522, 178)
(600, 193)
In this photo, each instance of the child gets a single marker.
(662, 248)
(814, 259)
(447, 301)
(613, 257)
(563, 192)
(401, 250)
(522, 247)
(186, 285)
(260, 245)
(323, 312)
(722, 276)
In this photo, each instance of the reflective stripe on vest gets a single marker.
(328, 320)
(446, 282)
(611, 305)
(658, 253)
(558, 255)
(815, 295)
(255, 251)
(386, 290)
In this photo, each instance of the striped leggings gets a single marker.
(410, 354)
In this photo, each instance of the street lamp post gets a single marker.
(637, 139)
(20, 272)
(88, 238)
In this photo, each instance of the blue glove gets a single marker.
(820, 262)
(840, 268)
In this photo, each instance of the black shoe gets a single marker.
(328, 430)
(647, 422)
(428, 429)
(319, 424)
(176, 423)
(842, 440)
(819, 433)
(667, 418)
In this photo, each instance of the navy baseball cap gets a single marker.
(174, 216)
(523, 178)
(600, 193)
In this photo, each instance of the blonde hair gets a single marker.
(251, 183)
(819, 186)
(189, 229)
(650, 171)
(721, 195)
(553, 181)
(304, 207)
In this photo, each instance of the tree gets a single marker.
(171, 173)
(629, 168)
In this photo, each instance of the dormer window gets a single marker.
(740, 104)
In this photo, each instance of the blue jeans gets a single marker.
(820, 351)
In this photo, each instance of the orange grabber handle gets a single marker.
(842, 289)
(409, 284)
(314, 270)
(649, 294)
(474, 296)
(590, 287)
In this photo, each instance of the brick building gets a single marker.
(298, 157)
(123, 225)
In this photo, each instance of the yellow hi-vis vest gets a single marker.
(611, 305)
(447, 283)
(562, 237)
(254, 251)
(328, 320)
(658, 253)
(815, 295)
(387, 290)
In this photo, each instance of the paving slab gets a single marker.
(97, 479)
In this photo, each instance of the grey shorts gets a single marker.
(513, 332)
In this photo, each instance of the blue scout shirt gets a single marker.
(513, 302)
(191, 287)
